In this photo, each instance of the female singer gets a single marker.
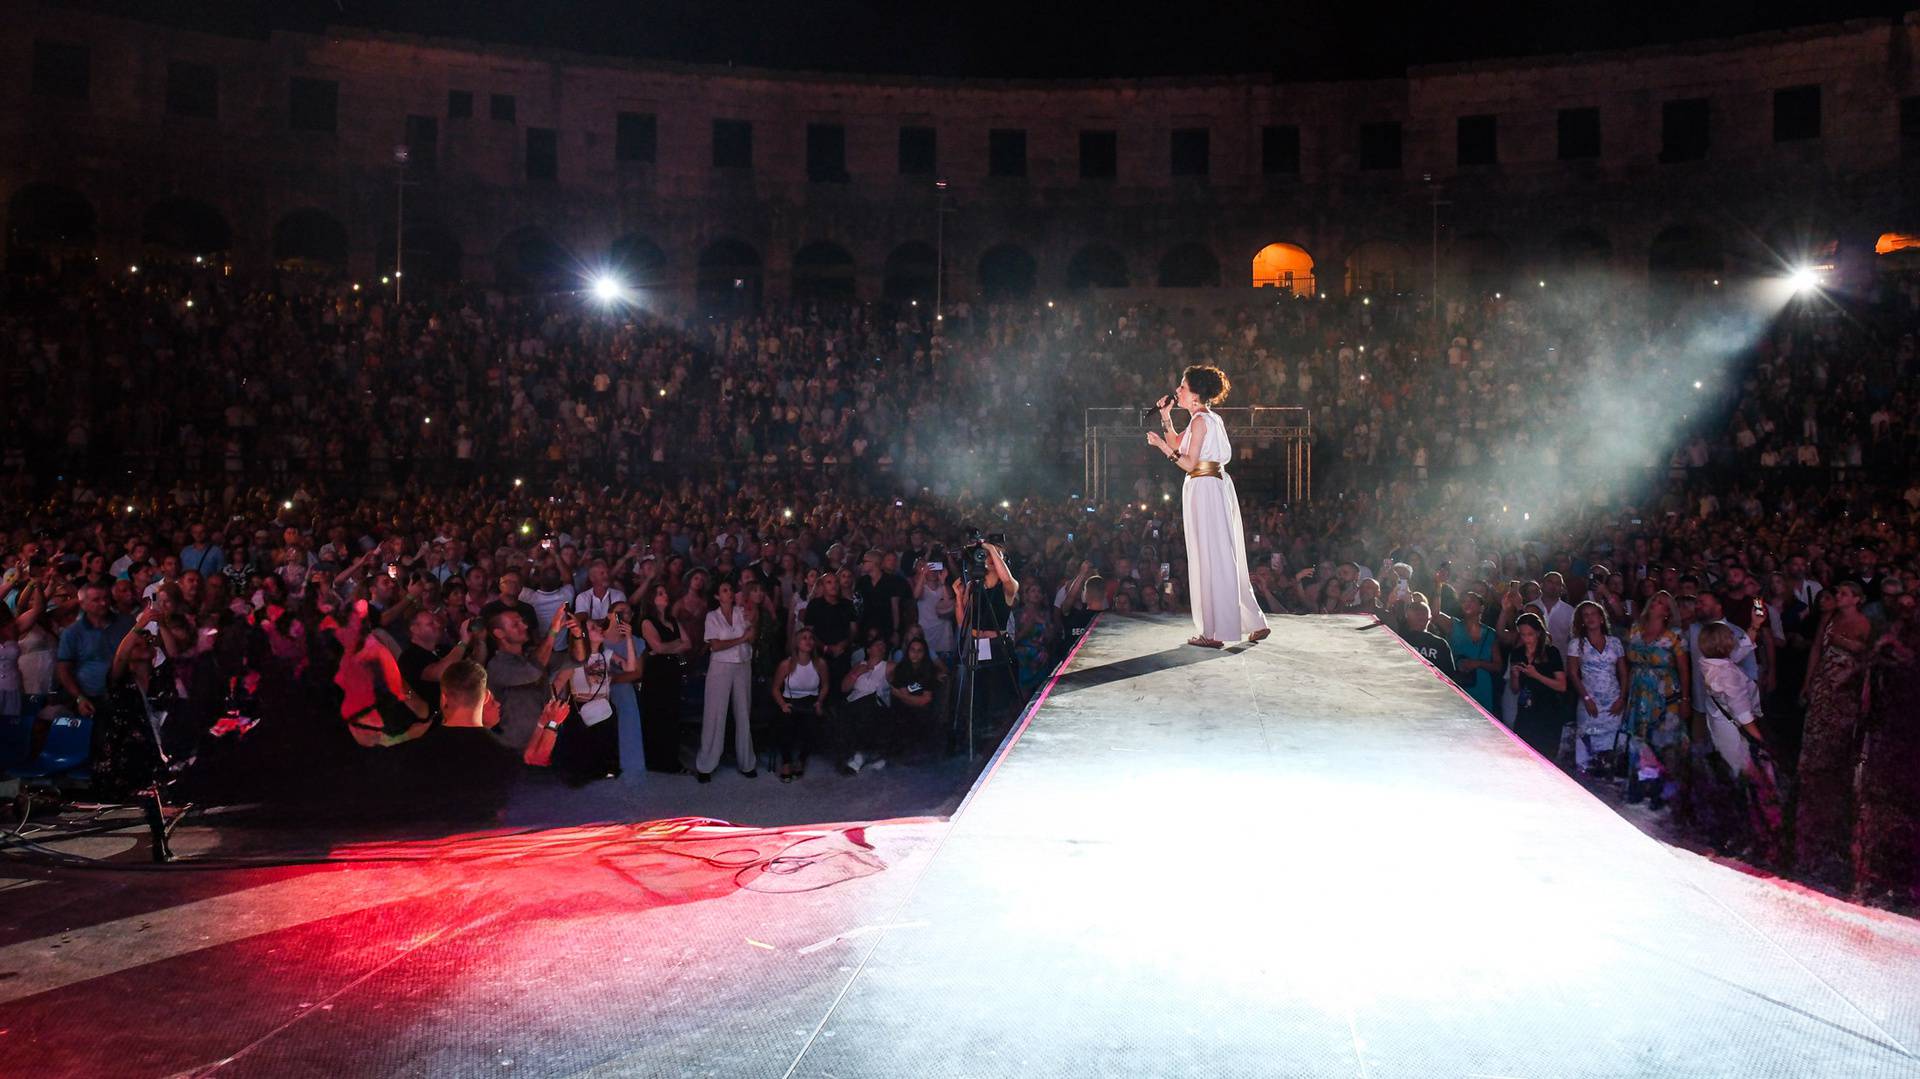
(1223, 605)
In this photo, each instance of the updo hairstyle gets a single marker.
(1208, 383)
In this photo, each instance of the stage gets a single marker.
(1304, 857)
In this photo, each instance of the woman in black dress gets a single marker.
(1538, 677)
(664, 669)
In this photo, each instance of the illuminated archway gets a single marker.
(1380, 266)
(1284, 266)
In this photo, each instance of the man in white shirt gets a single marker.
(1554, 610)
(551, 595)
(600, 595)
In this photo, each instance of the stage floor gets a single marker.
(1304, 857)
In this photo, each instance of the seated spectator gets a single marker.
(866, 736)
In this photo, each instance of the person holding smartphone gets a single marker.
(1221, 592)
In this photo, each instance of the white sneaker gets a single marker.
(878, 764)
(856, 761)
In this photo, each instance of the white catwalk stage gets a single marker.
(1306, 857)
(1312, 856)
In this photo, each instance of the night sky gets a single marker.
(990, 38)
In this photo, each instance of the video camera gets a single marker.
(970, 560)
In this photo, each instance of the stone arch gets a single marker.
(639, 262)
(731, 276)
(1097, 266)
(183, 227)
(1381, 266)
(1284, 266)
(530, 259)
(911, 272)
(823, 270)
(1007, 272)
(433, 254)
(46, 224)
(1190, 265)
(310, 239)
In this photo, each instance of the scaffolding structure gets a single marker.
(1257, 428)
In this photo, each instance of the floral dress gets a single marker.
(1654, 715)
(1829, 753)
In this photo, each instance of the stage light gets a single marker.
(607, 288)
(1804, 279)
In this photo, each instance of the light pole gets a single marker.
(400, 155)
(939, 250)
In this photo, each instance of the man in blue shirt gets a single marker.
(201, 555)
(86, 649)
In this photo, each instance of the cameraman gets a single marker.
(990, 605)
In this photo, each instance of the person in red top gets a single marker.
(379, 707)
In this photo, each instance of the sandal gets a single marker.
(1205, 642)
(1260, 634)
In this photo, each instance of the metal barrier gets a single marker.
(1289, 425)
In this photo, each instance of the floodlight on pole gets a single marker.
(1804, 279)
(608, 289)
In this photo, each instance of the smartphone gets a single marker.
(1166, 569)
(393, 570)
(936, 566)
(1274, 560)
(546, 544)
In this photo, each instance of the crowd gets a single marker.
(499, 529)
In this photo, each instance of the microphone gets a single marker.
(1165, 399)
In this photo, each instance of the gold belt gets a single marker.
(1207, 468)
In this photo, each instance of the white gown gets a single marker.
(1223, 605)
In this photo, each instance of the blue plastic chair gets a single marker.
(68, 748)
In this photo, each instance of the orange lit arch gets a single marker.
(1284, 266)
